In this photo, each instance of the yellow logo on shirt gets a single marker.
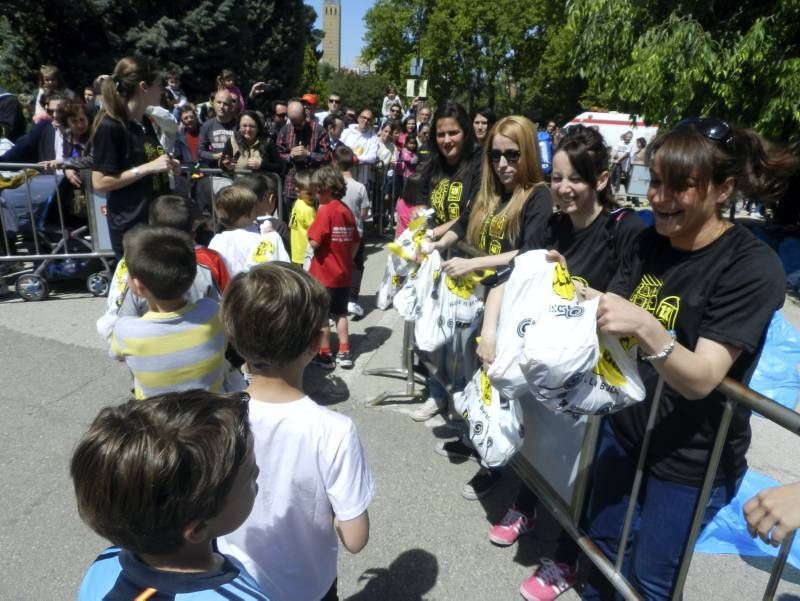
(264, 252)
(646, 296)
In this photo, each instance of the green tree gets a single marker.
(259, 39)
(357, 91)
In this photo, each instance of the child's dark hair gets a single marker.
(145, 469)
(171, 210)
(760, 170)
(412, 189)
(272, 313)
(304, 180)
(329, 179)
(233, 203)
(162, 258)
(588, 155)
(258, 184)
(343, 156)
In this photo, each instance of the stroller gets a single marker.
(32, 223)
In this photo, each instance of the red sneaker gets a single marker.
(548, 581)
(514, 524)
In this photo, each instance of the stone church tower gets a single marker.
(332, 26)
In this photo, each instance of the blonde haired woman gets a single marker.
(509, 212)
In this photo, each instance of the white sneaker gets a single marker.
(426, 411)
(355, 309)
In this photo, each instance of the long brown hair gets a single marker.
(121, 86)
(522, 132)
(588, 154)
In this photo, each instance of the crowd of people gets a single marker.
(249, 485)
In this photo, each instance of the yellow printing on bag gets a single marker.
(464, 286)
(264, 252)
(562, 283)
(486, 389)
(607, 368)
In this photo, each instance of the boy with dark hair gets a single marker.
(357, 200)
(212, 276)
(315, 481)
(176, 345)
(266, 191)
(241, 247)
(161, 479)
(334, 238)
(304, 211)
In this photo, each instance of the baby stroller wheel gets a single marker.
(32, 287)
(98, 283)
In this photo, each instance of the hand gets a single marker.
(773, 513)
(257, 88)
(49, 165)
(553, 256)
(254, 163)
(160, 165)
(458, 266)
(486, 349)
(620, 317)
(299, 152)
(73, 177)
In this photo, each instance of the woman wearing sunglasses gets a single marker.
(510, 211)
(697, 293)
(590, 233)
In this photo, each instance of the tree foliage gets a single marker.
(357, 91)
(259, 39)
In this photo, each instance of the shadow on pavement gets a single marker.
(790, 573)
(407, 578)
(325, 387)
(372, 338)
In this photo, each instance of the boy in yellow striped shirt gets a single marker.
(176, 345)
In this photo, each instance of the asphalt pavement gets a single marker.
(426, 541)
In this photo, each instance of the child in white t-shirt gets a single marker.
(315, 483)
(236, 209)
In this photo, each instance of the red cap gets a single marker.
(310, 99)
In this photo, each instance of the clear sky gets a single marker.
(352, 26)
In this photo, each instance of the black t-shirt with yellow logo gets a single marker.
(494, 237)
(726, 292)
(594, 252)
(450, 192)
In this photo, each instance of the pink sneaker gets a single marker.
(513, 525)
(548, 581)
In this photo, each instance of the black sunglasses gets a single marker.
(711, 128)
(511, 156)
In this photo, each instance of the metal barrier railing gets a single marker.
(569, 514)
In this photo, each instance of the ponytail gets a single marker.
(117, 89)
(764, 169)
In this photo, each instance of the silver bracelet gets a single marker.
(663, 353)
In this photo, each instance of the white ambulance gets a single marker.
(612, 125)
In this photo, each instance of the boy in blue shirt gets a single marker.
(161, 478)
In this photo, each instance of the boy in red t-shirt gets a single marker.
(334, 238)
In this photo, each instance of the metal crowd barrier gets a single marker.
(373, 176)
(569, 512)
(23, 210)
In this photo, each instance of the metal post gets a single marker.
(33, 218)
(64, 234)
(406, 372)
(705, 494)
(637, 480)
(777, 567)
(582, 479)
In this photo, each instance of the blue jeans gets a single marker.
(661, 522)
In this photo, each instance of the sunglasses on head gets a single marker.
(709, 127)
(511, 156)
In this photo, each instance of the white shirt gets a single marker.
(241, 249)
(364, 144)
(312, 468)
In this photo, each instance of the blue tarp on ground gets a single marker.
(727, 532)
(776, 374)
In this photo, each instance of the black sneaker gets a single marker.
(344, 360)
(481, 484)
(455, 449)
(324, 361)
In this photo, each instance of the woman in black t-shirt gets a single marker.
(697, 293)
(130, 164)
(590, 232)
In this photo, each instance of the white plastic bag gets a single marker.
(533, 284)
(496, 429)
(443, 304)
(560, 348)
(613, 383)
(390, 282)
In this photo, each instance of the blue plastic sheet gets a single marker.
(776, 374)
(727, 532)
